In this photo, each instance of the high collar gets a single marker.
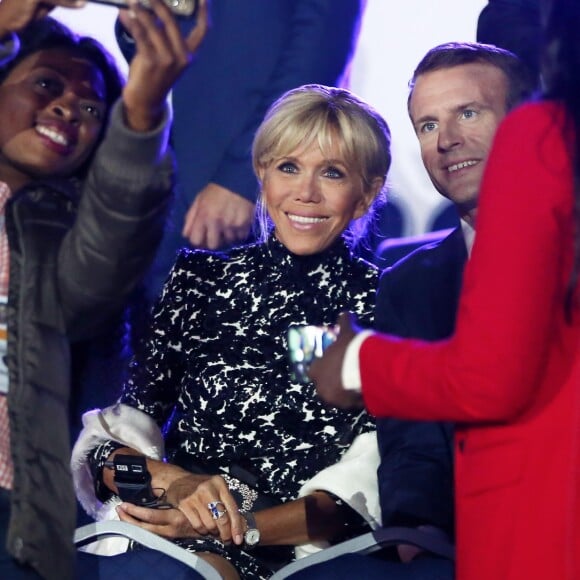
(282, 258)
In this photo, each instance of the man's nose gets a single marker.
(449, 137)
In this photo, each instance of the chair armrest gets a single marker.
(113, 528)
(373, 542)
(360, 544)
(437, 544)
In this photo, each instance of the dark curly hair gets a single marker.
(561, 75)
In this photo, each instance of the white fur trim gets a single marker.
(127, 426)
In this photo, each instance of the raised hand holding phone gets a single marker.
(326, 371)
(305, 343)
(161, 56)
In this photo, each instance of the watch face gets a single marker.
(252, 537)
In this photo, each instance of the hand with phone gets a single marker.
(326, 371)
(170, 501)
(144, 503)
(305, 343)
(161, 56)
(161, 52)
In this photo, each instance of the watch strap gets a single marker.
(250, 519)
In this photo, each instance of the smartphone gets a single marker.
(305, 343)
(181, 8)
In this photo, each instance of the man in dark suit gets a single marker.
(459, 95)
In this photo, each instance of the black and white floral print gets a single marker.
(215, 373)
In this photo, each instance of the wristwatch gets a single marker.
(252, 533)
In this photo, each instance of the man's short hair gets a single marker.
(521, 84)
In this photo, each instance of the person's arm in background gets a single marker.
(128, 187)
(515, 25)
(321, 41)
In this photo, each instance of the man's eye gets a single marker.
(469, 114)
(427, 127)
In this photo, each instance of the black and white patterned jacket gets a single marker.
(215, 371)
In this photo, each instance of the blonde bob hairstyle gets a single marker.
(318, 114)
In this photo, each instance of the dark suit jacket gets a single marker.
(418, 298)
(254, 51)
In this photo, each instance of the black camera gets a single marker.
(181, 8)
(133, 481)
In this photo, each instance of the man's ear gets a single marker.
(368, 196)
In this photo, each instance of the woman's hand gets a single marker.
(190, 495)
(16, 15)
(169, 523)
(161, 55)
(193, 497)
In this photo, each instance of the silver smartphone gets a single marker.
(181, 8)
(305, 343)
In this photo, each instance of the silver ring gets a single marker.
(216, 513)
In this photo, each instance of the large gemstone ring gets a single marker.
(216, 513)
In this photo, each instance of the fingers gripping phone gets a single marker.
(181, 8)
(305, 343)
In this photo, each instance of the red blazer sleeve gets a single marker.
(513, 291)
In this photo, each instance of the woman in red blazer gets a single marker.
(510, 376)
